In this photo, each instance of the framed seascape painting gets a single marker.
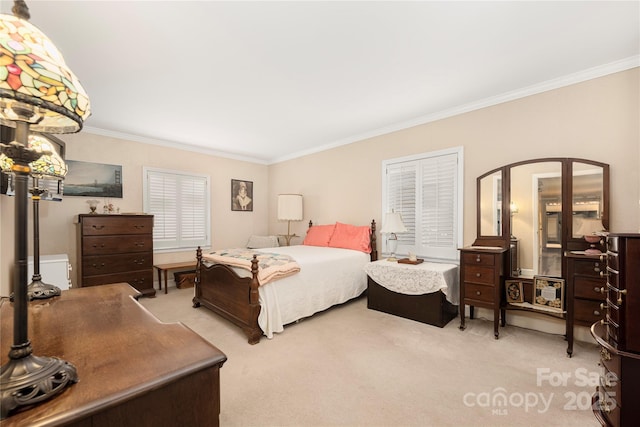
(93, 180)
(548, 293)
(241, 195)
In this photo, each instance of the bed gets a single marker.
(427, 292)
(331, 273)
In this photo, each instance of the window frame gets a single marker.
(180, 243)
(449, 254)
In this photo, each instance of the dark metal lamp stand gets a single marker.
(26, 379)
(37, 289)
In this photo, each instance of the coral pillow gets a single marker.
(351, 237)
(319, 235)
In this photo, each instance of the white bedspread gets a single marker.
(419, 279)
(327, 277)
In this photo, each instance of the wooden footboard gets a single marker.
(235, 298)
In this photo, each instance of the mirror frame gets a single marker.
(568, 242)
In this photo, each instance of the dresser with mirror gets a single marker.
(538, 212)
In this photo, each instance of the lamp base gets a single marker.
(33, 379)
(288, 237)
(37, 289)
(40, 290)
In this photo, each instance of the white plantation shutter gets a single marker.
(426, 190)
(180, 204)
(401, 190)
(439, 207)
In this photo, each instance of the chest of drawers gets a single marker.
(586, 287)
(116, 248)
(618, 334)
(481, 282)
(623, 291)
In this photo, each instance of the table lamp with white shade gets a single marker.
(393, 224)
(289, 209)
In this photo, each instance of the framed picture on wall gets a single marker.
(548, 293)
(241, 195)
(93, 180)
(514, 291)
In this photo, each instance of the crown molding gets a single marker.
(588, 74)
(172, 144)
(579, 77)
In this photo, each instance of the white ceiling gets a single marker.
(268, 81)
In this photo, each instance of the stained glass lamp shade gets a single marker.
(33, 75)
(50, 164)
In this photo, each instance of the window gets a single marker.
(180, 204)
(426, 190)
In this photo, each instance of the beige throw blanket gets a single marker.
(271, 266)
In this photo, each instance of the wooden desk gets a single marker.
(133, 370)
(160, 268)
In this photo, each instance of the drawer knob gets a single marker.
(139, 227)
(603, 257)
(97, 227)
(604, 322)
(603, 306)
(94, 265)
(620, 293)
(139, 244)
(478, 258)
(603, 274)
(477, 292)
(596, 312)
(602, 290)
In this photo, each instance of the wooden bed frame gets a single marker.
(235, 298)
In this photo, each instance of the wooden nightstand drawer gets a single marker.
(478, 274)
(587, 311)
(591, 288)
(589, 267)
(479, 292)
(478, 259)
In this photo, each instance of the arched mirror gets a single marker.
(536, 217)
(490, 203)
(541, 208)
(588, 199)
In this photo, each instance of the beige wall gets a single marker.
(58, 229)
(597, 119)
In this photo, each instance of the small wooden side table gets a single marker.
(164, 268)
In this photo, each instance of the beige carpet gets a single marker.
(351, 366)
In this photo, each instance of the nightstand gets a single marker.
(481, 279)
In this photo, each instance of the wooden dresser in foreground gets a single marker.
(615, 402)
(133, 370)
(114, 249)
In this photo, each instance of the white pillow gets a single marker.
(257, 242)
